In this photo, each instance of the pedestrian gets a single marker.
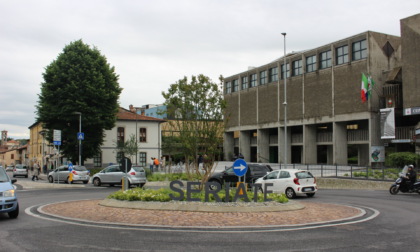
(151, 164)
(45, 169)
(35, 172)
(156, 163)
(163, 163)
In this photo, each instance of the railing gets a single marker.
(343, 171)
(297, 138)
(404, 132)
(322, 137)
(357, 135)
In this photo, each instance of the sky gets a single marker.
(153, 44)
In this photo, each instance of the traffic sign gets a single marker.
(70, 166)
(80, 136)
(57, 137)
(240, 167)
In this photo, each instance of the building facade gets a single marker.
(323, 119)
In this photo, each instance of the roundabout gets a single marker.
(203, 217)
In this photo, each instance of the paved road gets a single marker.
(395, 229)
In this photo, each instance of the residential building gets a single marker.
(323, 119)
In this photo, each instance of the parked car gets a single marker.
(114, 174)
(8, 200)
(20, 170)
(62, 173)
(291, 182)
(9, 168)
(254, 172)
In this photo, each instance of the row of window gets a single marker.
(97, 160)
(359, 51)
(121, 137)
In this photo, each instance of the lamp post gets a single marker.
(80, 140)
(285, 102)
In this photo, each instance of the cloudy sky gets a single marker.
(152, 44)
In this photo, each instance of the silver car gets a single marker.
(113, 175)
(62, 173)
(20, 170)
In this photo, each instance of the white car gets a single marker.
(290, 182)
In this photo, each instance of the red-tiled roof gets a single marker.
(124, 114)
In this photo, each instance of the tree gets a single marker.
(129, 147)
(79, 80)
(196, 108)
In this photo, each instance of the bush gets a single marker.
(400, 159)
(162, 195)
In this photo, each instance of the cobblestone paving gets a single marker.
(92, 211)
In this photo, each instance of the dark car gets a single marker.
(254, 172)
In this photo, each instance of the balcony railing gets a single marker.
(357, 135)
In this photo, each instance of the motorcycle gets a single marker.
(402, 184)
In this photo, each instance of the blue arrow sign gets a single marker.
(80, 136)
(240, 167)
(70, 167)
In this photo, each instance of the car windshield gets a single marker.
(138, 168)
(3, 176)
(79, 168)
(303, 175)
(21, 167)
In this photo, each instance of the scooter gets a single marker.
(402, 184)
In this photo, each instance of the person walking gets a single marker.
(151, 165)
(35, 172)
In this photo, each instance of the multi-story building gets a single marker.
(322, 118)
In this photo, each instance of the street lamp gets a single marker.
(285, 102)
(80, 139)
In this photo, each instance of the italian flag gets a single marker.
(364, 89)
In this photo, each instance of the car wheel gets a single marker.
(68, 181)
(141, 185)
(50, 179)
(14, 214)
(310, 195)
(96, 182)
(26, 176)
(214, 187)
(85, 182)
(290, 193)
(260, 189)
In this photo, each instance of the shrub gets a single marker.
(162, 195)
(400, 159)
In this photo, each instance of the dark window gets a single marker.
(120, 136)
(311, 64)
(143, 135)
(235, 85)
(97, 160)
(143, 158)
(228, 87)
(297, 67)
(325, 59)
(359, 50)
(342, 55)
(263, 77)
(287, 71)
(273, 74)
(244, 82)
(253, 80)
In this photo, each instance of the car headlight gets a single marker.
(9, 193)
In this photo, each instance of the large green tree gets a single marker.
(195, 108)
(79, 80)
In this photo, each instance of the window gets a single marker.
(142, 135)
(287, 71)
(253, 80)
(235, 85)
(120, 136)
(228, 87)
(244, 82)
(97, 160)
(311, 64)
(297, 67)
(325, 59)
(263, 77)
(273, 74)
(143, 159)
(342, 55)
(359, 50)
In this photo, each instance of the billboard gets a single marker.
(387, 123)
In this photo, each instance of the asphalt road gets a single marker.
(395, 229)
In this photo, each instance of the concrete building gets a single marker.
(327, 121)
